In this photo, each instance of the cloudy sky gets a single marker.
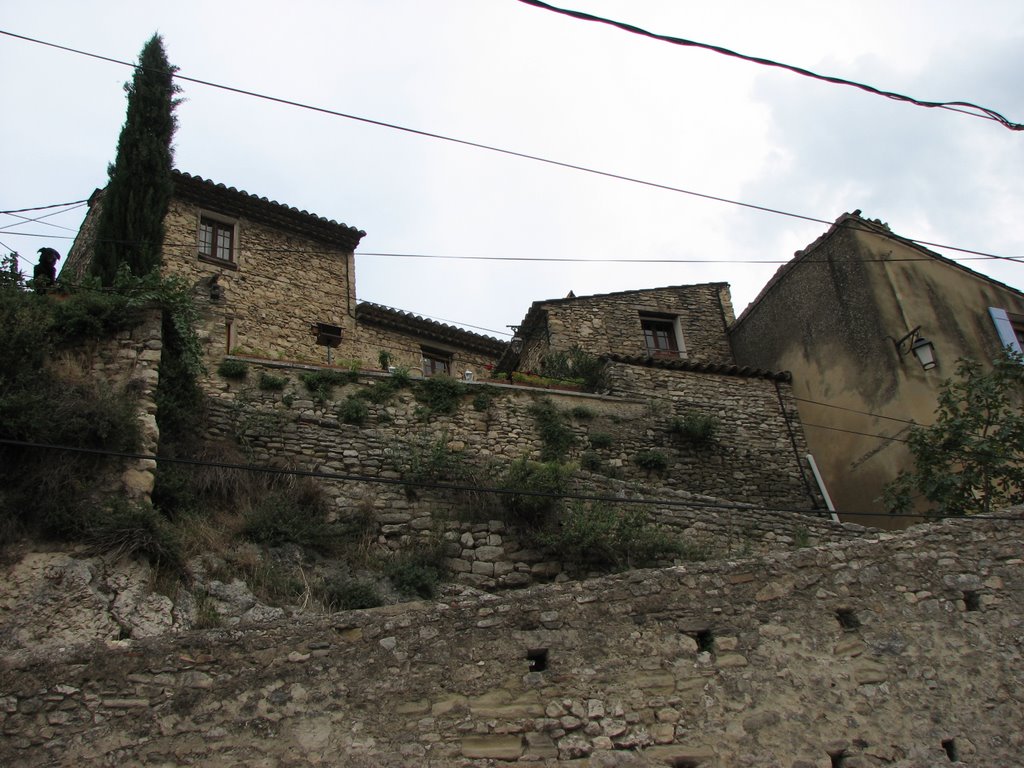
(502, 73)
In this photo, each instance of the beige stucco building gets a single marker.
(842, 316)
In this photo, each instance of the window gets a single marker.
(436, 361)
(216, 240)
(660, 336)
(1010, 328)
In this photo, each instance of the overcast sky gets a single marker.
(502, 73)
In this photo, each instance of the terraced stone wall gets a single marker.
(902, 652)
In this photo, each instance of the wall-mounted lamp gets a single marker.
(917, 344)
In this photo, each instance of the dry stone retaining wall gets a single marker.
(904, 652)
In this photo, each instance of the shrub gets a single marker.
(125, 528)
(293, 514)
(349, 594)
(537, 488)
(440, 394)
(590, 461)
(555, 434)
(483, 398)
(652, 461)
(581, 412)
(321, 383)
(600, 440)
(604, 536)
(353, 410)
(418, 571)
(578, 366)
(92, 315)
(233, 369)
(384, 358)
(270, 382)
(697, 428)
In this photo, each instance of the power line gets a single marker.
(478, 145)
(963, 107)
(45, 207)
(911, 422)
(346, 477)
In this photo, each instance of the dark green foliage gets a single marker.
(581, 412)
(556, 435)
(295, 513)
(93, 314)
(348, 594)
(131, 225)
(440, 394)
(321, 384)
(694, 427)
(538, 487)
(126, 528)
(971, 459)
(652, 461)
(233, 369)
(600, 440)
(590, 461)
(384, 358)
(272, 383)
(433, 462)
(577, 366)
(605, 536)
(384, 391)
(353, 410)
(416, 572)
(483, 397)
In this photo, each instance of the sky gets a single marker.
(505, 74)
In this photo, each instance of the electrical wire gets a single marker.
(46, 207)
(348, 477)
(963, 107)
(478, 145)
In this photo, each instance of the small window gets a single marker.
(660, 336)
(436, 361)
(216, 240)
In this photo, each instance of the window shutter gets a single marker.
(1005, 329)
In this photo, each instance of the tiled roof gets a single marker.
(725, 369)
(399, 320)
(235, 202)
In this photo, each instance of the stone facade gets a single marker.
(713, 495)
(903, 652)
(611, 324)
(831, 317)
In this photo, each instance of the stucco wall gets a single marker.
(831, 320)
(899, 653)
(610, 323)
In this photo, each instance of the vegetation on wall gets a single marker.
(130, 231)
(321, 383)
(233, 369)
(694, 427)
(577, 366)
(971, 459)
(556, 435)
(534, 491)
(440, 394)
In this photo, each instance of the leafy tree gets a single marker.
(131, 226)
(971, 460)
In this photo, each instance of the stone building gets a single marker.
(848, 317)
(271, 281)
(676, 322)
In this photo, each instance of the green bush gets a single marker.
(417, 572)
(321, 384)
(556, 435)
(697, 428)
(233, 369)
(537, 488)
(293, 514)
(353, 410)
(577, 366)
(651, 460)
(440, 394)
(483, 398)
(93, 315)
(581, 412)
(125, 528)
(604, 536)
(601, 440)
(590, 461)
(349, 594)
(270, 382)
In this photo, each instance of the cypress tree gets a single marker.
(131, 225)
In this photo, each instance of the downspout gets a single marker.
(796, 449)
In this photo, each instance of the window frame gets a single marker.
(432, 357)
(219, 225)
(654, 323)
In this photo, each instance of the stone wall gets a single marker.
(127, 362)
(280, 283)
(714, 496)
(406, 351)
(904, 652)
(610, 323)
